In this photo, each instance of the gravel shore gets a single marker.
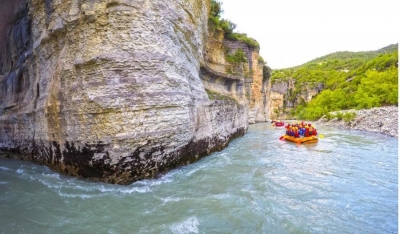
(379, 119)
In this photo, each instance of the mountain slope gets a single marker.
(350, 79)
(348, 55)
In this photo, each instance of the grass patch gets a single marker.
(243, 38)
(349, 116)
(217, 96)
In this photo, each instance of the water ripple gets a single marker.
(345, 183)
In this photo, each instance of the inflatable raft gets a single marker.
(299, 140)
(278, 124)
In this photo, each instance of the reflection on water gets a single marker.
(345, 183)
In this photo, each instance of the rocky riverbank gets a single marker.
(379, 119)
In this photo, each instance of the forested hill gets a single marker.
(347, 55)
(351, 80)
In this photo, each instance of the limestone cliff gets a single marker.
(242, 81)
(115, 90)
(285, 95)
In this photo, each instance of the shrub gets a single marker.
(238, 57)
(215, 13)
(261, 60)
(329, 116)
(349, 116)
(213, 21)
(227, 26)
(267, 72)
(216, 8)
(339, 115)
(346, 117)
(244, 38)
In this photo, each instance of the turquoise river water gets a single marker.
(345, 183)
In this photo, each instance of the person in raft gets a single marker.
(302, 129)
(296, 132)
(312, 130)
(307, 131)
(290, 130)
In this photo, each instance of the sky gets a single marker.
(293, 32)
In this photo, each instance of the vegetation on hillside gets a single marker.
(351, 80)
(346, 55)
(228, 26)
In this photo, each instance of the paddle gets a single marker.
(321, 136)
(282, 138)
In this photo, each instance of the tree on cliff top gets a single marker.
(228, 26)
(216, 8)
(214, 17)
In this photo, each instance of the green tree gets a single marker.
(227, 26)
(378, 88)
(350, 80)
(216, 8)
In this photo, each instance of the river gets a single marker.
(345, 183)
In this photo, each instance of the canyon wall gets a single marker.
(242, 81)
(111, 89)
(283, 96)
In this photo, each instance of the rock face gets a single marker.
(241, 81)
(114, 90)
(379, 119)
(284, 96)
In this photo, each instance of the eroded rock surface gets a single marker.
(242, 81)
(284, 96)
(111, 89)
